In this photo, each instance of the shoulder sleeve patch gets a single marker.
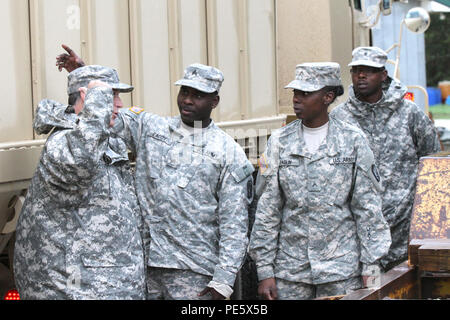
(136, 110)
(374, 176)
(262, 164)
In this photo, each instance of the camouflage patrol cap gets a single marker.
(313, 76)
(203, 78)
(369, 56)
(82, 76)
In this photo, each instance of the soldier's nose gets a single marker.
(119, 103)
(187, 100)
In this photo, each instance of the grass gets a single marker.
(440, 111)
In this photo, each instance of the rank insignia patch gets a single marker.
(136, 110)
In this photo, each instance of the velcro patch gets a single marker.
(375, 177)
(136, 110)
(243, 172)
(249, 189)
(289, 162)
(160, 137)
(343, 160)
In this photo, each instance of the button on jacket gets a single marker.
(319, 217)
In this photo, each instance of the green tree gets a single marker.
(437, 46)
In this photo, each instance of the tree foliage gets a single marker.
(437, 44)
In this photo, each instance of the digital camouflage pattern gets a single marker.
(53, 115)
(313, 76)
(194, 192)
(288, 290)
(368, 56)
(82, 76)
(175, 284)
(318, 218)
(201, 77)
(399, 133)
(77, 235)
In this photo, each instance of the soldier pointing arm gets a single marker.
(194, 185)
(78, 233)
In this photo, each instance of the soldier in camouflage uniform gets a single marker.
(318, 224)
(194, 185)
(78, 233)
(399, 133)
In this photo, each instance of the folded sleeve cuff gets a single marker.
(223, 276)
(265, 272)
(224, 289)
(372, 269)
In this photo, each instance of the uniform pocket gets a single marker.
(340, 181)
(186, 178)
(106, 260)
(292, 258)
(293, 182)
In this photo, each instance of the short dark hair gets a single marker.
(73, 97)
(337, 90)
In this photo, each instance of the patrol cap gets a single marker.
(313, 76)
(369, 56)
(82, 76)
(203, 78)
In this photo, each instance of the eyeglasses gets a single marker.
(366, 70)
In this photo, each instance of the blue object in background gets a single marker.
(434, 96)
(447, 101)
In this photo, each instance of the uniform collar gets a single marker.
(175, 124)
(393, 93)
(332, 145)
(195, 140)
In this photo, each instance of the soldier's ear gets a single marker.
(384, 75)
(216, 101)
(328, 98)
(83, 92)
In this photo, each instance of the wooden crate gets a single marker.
(435, 256)
(431, 210)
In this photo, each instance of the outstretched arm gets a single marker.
(71, 157)
(69, 61)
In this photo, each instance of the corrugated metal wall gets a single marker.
(15, 82)
(256, 43)
(149, 42)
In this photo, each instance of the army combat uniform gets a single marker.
(399, 133)
(78, 235)
(318, 220)
(194, 191)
